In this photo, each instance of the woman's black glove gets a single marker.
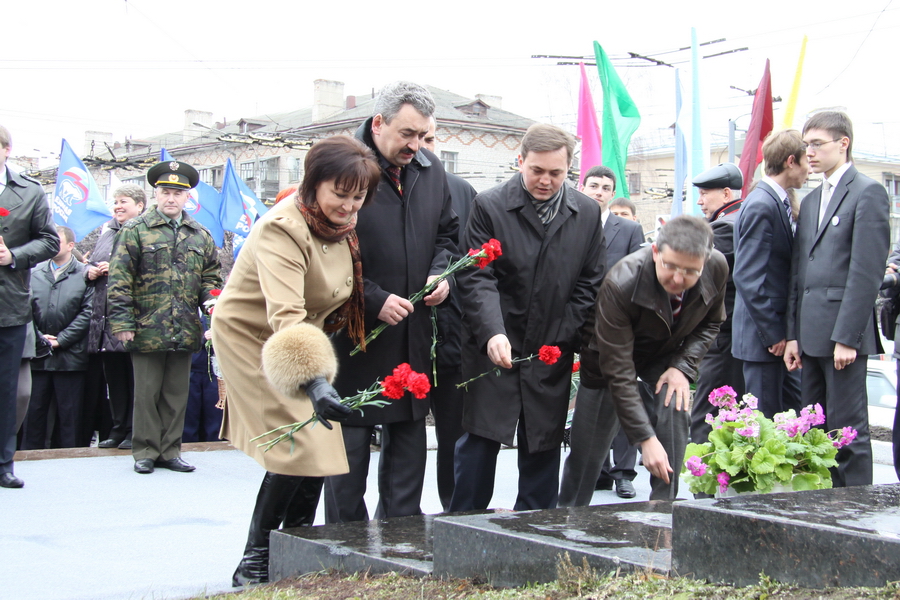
(326, 402)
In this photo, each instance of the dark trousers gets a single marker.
(843, 396)
(12, 342)
(120, 382)
(476, 467)
(776, 388)
(717, 368)
(202, 420)
(447, 408)
(66, 388)
(401, 473)
(95, 414)
(624, 453)
(161, 381)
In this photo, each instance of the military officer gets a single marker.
(163, 267)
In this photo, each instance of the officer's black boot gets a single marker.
(301, 511)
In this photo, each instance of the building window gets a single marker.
(451, 161)
(634, 183)
(269, 169)
(211, 176)
(248, 171)
(892, 184)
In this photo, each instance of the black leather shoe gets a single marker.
(175, 464)
(125, 445)
(625, 489)
(8, 480)
(143, 466)
(110, 443)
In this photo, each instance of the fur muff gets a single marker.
(295, 356)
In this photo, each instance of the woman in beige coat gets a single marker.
(298, 276)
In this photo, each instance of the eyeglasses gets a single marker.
(815, 146)
(684, 272)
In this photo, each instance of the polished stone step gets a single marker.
(840, 537)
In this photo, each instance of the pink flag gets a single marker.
(588, 130)
(761, 121)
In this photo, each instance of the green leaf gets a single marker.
(806, 481)
(763, 462)
(784, 471)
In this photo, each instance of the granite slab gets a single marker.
(821, 538)
(401, 545)
(517, 548)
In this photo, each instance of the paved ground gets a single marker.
(91, 528)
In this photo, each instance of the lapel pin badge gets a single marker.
(835, 221)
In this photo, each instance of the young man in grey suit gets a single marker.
(843, 237)
(763, 243)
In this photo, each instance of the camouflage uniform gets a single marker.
(158, 276)
(155, 286)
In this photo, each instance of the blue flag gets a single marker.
(240, 206)
(204, 205)
(681, 158)
(77, 202)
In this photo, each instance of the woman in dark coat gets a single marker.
(129, 202)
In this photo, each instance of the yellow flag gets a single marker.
(795, 89)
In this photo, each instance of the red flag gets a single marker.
(588, 130)
(761, 122)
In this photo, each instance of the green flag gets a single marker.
(620, 120)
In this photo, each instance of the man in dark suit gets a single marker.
(719, 188)
(446, 398)
(622, 236)
(29, 237)
(843, 238)
(763, 243)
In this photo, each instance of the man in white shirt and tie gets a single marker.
(841, 245)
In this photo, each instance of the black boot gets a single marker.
(301, 512)
(275, 494)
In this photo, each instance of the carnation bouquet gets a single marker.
(393, 386)
(489, 251)
(748, 452)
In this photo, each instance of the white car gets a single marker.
(881, 386)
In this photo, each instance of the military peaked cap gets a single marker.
(173, 174)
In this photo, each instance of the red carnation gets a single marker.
(402, 373)
(576, 365)
(418, 384)
(492, 248)
(549, 354)
(4, 212)
(215, 293)
(210, 310)
(392, 387)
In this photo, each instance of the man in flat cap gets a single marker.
(163, 267)
(719, 188)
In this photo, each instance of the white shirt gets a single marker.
(3, 179)
(832, 181)
(604, 217)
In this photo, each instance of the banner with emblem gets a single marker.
(77, 201)
(240, 206)
(204, 205)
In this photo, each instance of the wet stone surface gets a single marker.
(839, 537)
(402, 545)
(516, 548)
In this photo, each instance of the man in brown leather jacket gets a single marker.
(657, 312)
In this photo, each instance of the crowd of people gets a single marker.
(745, 297)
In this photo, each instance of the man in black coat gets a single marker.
(763, 243)
(719, 187)
(539, 292)
(842, 242)
(28, 237)
(446, 398)
(407, 236)
(65, 302)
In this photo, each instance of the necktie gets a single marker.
(826, 197)
(394, 174)
(675, 301)
(790, 216)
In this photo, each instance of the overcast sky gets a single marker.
(132, 67)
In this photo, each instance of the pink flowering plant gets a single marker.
(750, 453)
